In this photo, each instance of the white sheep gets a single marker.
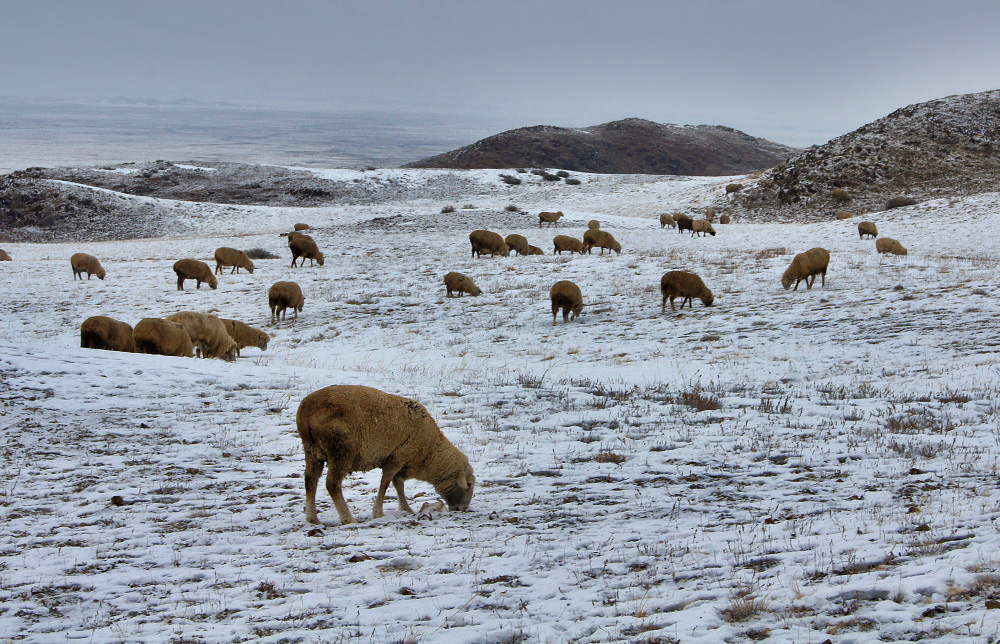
(667, 220)
(84, 263)
(102, 332)
(193, 269)
(245, 335)
(685, 285)
(807, 265)
(889, 245)
(225, 256)
(566, 295)
(458, 283)
(710, 214)
(702, 226)
(208, 334)
(161, 337)
(282, 296)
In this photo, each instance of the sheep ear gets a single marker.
(463, 482)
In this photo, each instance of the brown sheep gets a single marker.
(302, 226)
(517, 243)
(733, 187)
(685, 285)
(566, 295)
(4, 257)
(549, 217)
(805, 266)
(350, 428)
(667, 220)
(193, 269)
(282, 296)
(567, 243)
(710, 214)
(839, 194)
(208, 334)
(724, 219)
(225, 256)
(702, 226)
(459, 283)
(101, 332)
(867, 228)
(486, 241)
(305, 247)
(161, 337)
(84, 263)
(889, 245)
(593, 224)
(843, 214)
(601, 239)
(245, 335)
(684, 223)
(292, 235)
(535, 250)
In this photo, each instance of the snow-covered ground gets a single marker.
(782, 466)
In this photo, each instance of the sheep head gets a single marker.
(456, 489)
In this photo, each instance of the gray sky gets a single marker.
(794, 71)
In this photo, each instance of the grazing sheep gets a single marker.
(193, 269)
(517, 243)
(292, 235)
(350, 428)
(245, 335)
(302, 226)
(685, 285)
(684, 223)
(867, 228)
(805, 265)
(566, 295)
(282, 296)
(724, 219)
(225, 256)
(486, 241)
(549, 217)
(535, 250)
(889, 245)
(843, 214)
(567, 243)
(593, 224)
(840, 194)
(84, 263)
(459, 283)
(305, 247)
(667, 220)
(710, 214)
(602, 239)
(101, 332)
(4, 257)
(702, 226)
(733, 187)
(208, 334)
(161, 337)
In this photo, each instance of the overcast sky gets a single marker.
(795, 71)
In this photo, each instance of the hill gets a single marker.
(629, 146)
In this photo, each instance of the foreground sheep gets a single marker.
(101, 332)
(867, 228)
(487, 241)
(160, 337)
(459, 283)
(566, 295)
(84, 263)
(225, 256)
(245, 335)
(208, 334)
(702, 226)
(889, 245)
(684, 223)
(193, 269)
(282, 296)
(349, 428)
(4, 257)
(517, 243)
(601, 239)
(805, 266)
(667, 220)
(567, 243)
(549, 217)
(685, 285)
(305, 247)
(535, 250)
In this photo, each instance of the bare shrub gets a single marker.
(510, 179)
(447, 209)
(260, 253)
(572, 182)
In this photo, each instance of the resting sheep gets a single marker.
(562, 243)
(566, 295)
(535, 250)
(282, 296)
(702, 226)
(305, 247)
(4, 257)
(602, 239)
(160, 337)
(667, 220)
(84, 263)
(350, 428)
(549, 217)
(101, 332)
(724, 219)
(593, 224)
(684, 223)
(193, 269)
(517, 243)
(685, 285)
(486, 241)
(302, 226)
(459, 283)
(245, 335)
(867, 228)
(805, 266)
(843, 214)
(208, 334)
(710, 214)
(225, 256)
(889, 245)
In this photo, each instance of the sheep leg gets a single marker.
(555, 311)
(565, 311)
(809, 282)
(180, 283)
(663, 305)
(334, 480)
(823, 280)
(314, 469)
(397, 482)
(218, 268)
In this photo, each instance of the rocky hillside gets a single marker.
(630, 146)
(942, 148)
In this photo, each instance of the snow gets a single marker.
(793, 466)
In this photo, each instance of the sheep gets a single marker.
(459, 283)
(225, 256)
(710, 214)
(839, 194)
(292, 235)
(245, 335)
(302, 226)
(305, 247)
(193, 269)
(566, 295)
(724, 219)
(486, 241)
(843, 214)
(701, 226)
(805, 265)
(517, 243)
(685, 285)
(593, 224)
(161, 337)
(889, 245)
(208, 334)
(683, 223)
(84, 263)
(350, 428)
(667, 220)
(562, 243)
(101, 332)
(867, 228)
(535, 250)
(602, 239)
(4, 257)
(282, 296)
(549, 217)
(733, 187)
